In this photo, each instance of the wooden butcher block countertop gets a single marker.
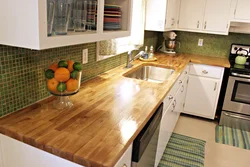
(108, 113)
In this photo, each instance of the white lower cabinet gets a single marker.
(14, 153)
(165, 132)
(201, 96)
(18, 154)
(173, 106)
(1, 153)
(125, 160)
(203, 90)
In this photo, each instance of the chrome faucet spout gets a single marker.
(130, 59)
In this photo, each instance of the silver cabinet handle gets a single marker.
(180, 81)
(173, 22)
(124, 165)
(215, 86)
(170, 97)
(205, 26)
(174, 104)
(204, 71)
(182, 88)
(198, 24)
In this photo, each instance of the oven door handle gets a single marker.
(236, 116)
(240, 75)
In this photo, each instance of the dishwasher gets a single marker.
(145, 144)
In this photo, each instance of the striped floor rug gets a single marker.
(183, 151)
(232, 137)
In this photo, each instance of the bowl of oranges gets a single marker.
(63, 79)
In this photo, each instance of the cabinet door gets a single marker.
(165, 132)
(201, 96)
(18, 154)
(125, 160)
(242, 10)
(1, 153)
(191, 14)
(172, 12)
(217, 15)
(155, 15)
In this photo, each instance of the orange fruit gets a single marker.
(52, 84)
(62, 74)
(70, 65)
(72, 85)
(53, 66)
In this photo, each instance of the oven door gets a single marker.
(237, 98)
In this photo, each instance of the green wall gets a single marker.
(213, 45)
(22, 80)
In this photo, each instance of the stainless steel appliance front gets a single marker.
(237, 97)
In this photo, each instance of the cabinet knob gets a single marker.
(180, 81)
(170, 97)
(185, 72)
(204, 71)
(124, 165)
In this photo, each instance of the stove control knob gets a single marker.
(235, 48)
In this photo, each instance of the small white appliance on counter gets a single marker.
(169, 43)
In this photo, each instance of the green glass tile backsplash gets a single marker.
(22, 80)
(21, 70)
(213, 45)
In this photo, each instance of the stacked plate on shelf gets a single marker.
(112, 17)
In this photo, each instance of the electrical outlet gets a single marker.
(200, 42)
(84, 56)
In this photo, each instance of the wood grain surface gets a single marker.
(108, 113)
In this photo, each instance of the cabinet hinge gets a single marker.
(183, 105)
(187, 81)
(178, 22)
(227, 26)
(234, 11)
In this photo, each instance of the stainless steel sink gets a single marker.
(151, 74)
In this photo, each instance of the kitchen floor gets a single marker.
(216, 155)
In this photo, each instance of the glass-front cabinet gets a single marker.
(43, 24)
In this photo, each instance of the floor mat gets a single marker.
(233, 137)
(183, 151)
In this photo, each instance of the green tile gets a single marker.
(213, 45)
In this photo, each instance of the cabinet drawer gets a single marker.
(170, 96)
(205, 70)
(184, 75)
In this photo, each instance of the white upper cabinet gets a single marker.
(216, 17)
(24, 24)
(191, 14)
(161, 15)
(172, 14)
(242, 11)
(205, 16)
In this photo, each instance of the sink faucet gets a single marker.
(130, 59)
